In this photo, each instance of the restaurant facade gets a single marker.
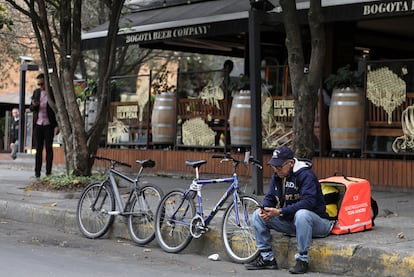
(366, 132)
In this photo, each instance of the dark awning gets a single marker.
(195, 25)
(203, 19)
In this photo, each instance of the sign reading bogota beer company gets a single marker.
(179, 32)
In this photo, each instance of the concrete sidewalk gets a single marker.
(387, 250)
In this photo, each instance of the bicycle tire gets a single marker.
(94, 223)
(239, 241)
(174, 235)
(143, 207)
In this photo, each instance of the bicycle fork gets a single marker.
(94, 205)
(236, 200)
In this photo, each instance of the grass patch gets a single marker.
(64, 182)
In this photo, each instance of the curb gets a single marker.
(333, 255)
(370, 253)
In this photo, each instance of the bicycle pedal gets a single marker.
(114, 213)
(204, 229)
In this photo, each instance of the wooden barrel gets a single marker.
(163, 119)
(240, 119)
(346, 119)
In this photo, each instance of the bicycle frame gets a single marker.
(122, 208)
(197, 185)
(179, 220)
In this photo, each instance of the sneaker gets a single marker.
(259, 263)
(301, 267)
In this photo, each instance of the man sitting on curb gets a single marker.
(294, 205)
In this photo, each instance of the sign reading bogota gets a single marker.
(392, 7)
(179, 32)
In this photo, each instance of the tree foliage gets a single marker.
(57, 27)
(304, 86)
(5, 19)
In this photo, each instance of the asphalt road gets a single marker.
(33, 250)
(355, 254)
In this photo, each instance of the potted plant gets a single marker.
(344, 78)
(346, 113)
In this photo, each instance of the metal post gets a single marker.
(22, 107)
(255, 94)
(22, 97)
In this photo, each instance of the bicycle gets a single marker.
(101, 201)
(177, 222)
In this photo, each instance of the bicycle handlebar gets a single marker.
(227, 157)
(112, 161)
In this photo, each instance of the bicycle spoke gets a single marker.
(92, 211)
(238, 235)
(143, 208)
(173, 222)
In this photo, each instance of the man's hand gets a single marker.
(268, 212)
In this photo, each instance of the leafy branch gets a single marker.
(160, 83)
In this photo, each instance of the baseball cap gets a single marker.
(280, 156)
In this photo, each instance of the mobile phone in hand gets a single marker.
(260, 206)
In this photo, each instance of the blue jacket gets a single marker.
(302, 191)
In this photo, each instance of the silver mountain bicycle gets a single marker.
(100, 202)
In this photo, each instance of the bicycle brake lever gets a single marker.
(255, 162)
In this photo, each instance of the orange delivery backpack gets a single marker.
(348, 201)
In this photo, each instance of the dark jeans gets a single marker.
(43, 136)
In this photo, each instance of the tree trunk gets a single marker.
(304, 86)
(59, 43)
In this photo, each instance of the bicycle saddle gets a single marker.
(195, 163)
(146, 163)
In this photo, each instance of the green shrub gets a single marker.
(64, 182)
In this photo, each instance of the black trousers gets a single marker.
(43, 138)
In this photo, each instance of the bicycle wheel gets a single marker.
(239, 240)
(173, 221)
(143, 207)
(92, 212)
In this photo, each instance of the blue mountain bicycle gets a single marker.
(177, 220)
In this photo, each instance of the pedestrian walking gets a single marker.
(45, 126)
(14, 142)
